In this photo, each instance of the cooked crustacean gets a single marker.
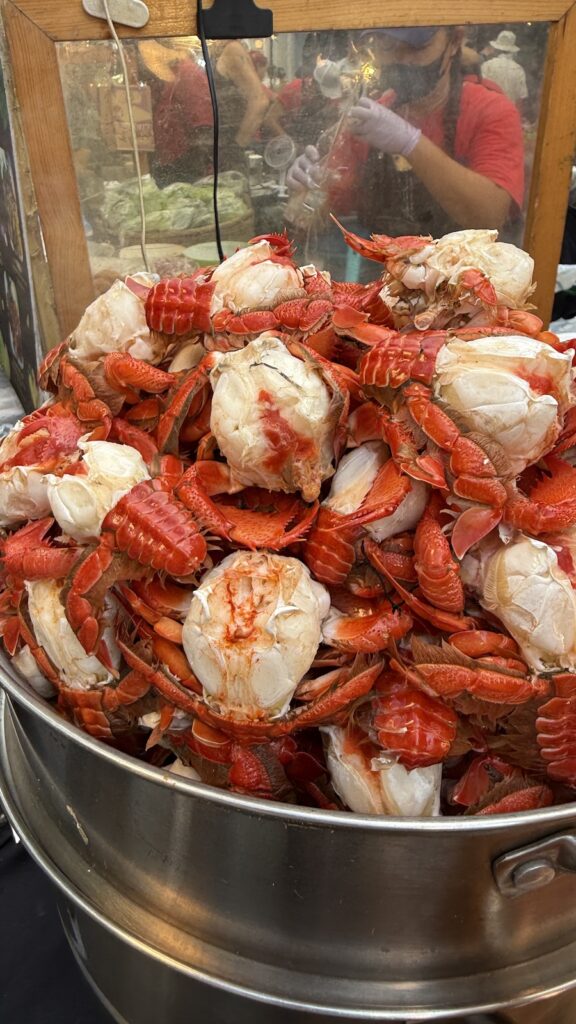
(314, 540)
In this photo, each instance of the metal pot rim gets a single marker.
(21, 691)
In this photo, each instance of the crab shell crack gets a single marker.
(264, 380)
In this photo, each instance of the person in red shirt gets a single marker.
(183, 118)
(183, 124)
(450, 155)
(300, 110)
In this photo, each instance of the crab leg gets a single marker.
(551, 506)
(367, 633)
(289, 518)
(383, 247)
(476, 477)
(438, 572)
(352, 682)
(178, 409)
(444, 621)
(446, 672)
(126, 374)
(370, 422)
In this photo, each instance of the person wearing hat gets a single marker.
(504, 70)
(435, 150)
(308, 104)
(182, 109)
(181, 112)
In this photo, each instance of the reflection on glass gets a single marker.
(394, 131)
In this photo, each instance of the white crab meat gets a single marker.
(356, 473)
(523, 585)
(187, 357)
(508, 268)
(181, 721)
(379, 789)
(253, 630)
(25, 663)
(252, 279)
(116, 322)
(406, 517)
(80, 503)
(273, 418)
(23, 495)
(185, 771)
(487, 382)
(23, 489)
(53, 632)
(352, 481)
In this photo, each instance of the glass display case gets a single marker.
(483, 123)
(495, 98)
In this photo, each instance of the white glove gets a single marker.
(305, 172)
(381, 128)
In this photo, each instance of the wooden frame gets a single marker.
(33, 27)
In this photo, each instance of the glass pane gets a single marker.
(414, 131)
(19, 340)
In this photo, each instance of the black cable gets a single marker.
(215, 117)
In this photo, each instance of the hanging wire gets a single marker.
(134, 137)
(216, 122)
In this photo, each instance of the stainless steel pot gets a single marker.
(345, 915)
(142, 991)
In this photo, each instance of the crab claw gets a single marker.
(471, 527)
(381, 248)
(254, 518)
(367, 633)
(551, 506)
(280, 243)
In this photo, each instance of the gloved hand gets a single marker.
(382, 128)
(305, 172)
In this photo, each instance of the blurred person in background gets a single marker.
(182, 109)
(301, 109)
(242, 101)
(277, 76)
(501, 68)
(260, 62)
(181, 112)
(450, 154)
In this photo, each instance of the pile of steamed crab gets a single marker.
(307, 540)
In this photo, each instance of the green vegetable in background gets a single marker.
(179, 207)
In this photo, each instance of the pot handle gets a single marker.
(532, 867)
